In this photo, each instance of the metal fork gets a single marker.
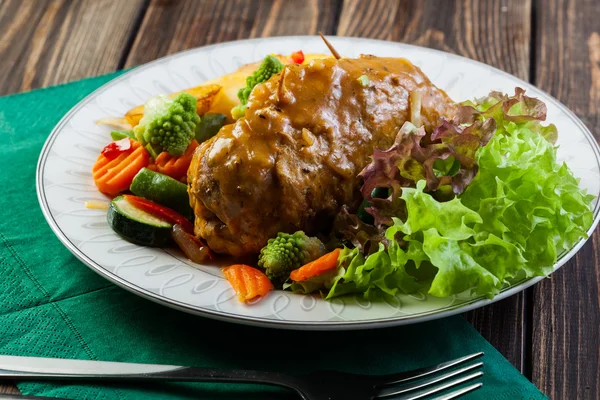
(324, 385)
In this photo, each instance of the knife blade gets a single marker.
(22, 367)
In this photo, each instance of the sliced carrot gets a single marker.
(113, 176)
(176, 167)
(248, 282)
(317, 267)
(152, 167)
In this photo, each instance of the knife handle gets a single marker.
(34, 368)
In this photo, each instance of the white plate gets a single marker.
(64, 183)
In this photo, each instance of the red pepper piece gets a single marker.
(114, 149)
(162, 212)
(298, 57)
(194, 248)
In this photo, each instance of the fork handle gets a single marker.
(37, 368)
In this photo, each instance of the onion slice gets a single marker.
(116, 123)
(193, 248)
(415, 108)
(97, 205)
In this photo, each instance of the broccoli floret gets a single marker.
(286, 252)
(168, 124)
(269, 67)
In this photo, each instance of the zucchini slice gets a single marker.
(137, 226)
(162, 189)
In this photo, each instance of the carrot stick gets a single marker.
(176, 167)
(317, 267)
(248, 282)
(113, 176)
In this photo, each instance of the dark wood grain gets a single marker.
(189, 23)
(566, 317)
(48, 42)
(495, 32)
(8, 389)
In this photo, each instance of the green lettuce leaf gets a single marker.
(514, 218)
(380, 273)
(527, 199)
(439, 235)
(457, 269)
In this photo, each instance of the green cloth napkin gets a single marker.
(51, 305)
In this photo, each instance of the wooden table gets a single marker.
(550, 331)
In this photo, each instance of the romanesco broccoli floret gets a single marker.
(286, 252)
(269, 67)
(168, 124)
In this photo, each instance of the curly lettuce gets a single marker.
(445, 159)
(439, 237)
(508, 221)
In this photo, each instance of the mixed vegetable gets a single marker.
(144, 171)
(286, 252)
(476, 204)
(150, 161)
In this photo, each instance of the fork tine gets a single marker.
(436, 389)
(390, 379)
(459, 392)
(386, 392)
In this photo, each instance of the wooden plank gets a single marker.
(6, 388)
(49, 42)
(495, 32)
(185, 24)
(566, 312)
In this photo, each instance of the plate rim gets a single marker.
(294, 324)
